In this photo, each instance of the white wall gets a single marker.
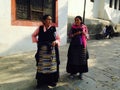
(62, 20)
(97, 9)
(89, 9)
(76, 7)
(105, 12)
(113, 14)
(16, 39)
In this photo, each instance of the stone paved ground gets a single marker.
(17, 71)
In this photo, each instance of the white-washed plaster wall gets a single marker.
(105, 12)
(62, 20)
(113, 14)
(76, 7)
(89, 9)
(98, 9)
(17, 39)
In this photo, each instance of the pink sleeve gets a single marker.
(58, 39)
(34, 36)
(85, 30)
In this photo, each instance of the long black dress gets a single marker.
(47, 57)
(77, 55)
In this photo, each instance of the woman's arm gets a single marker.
(34, 36)
(57, 41)
(85, 31)
(72, 35)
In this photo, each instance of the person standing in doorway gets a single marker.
(77, 52)
(47, 55)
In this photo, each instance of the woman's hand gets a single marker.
(54, 43)
(77, 33)
(83, 32)
(71, 35)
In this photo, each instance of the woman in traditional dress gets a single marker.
(77, 52)
(47, 55)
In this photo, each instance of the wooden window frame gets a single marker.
(16, 22)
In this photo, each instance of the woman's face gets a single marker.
(48, 21)
(77, 21)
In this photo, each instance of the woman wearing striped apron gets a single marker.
(47, 55)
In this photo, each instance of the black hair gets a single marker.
(45, 17)
(79, 18)
(106, 26)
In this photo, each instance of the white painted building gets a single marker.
(16, 36)
(96, 9)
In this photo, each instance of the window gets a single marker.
(115, 4)
(92, 0)
(119, 4)
(32, 11)
(111, 3)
